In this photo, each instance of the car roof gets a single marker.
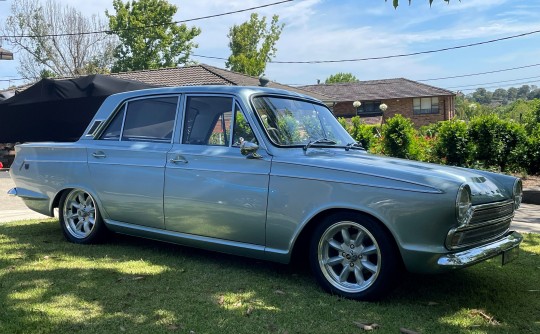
(207, 89)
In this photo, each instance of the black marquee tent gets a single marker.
(58, 109)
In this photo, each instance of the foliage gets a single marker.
(398, 136)
(497, 142)
(252, 44)
(288, 130)
(503, 97)
(363, 133)
(340, 77)
(431, 130)
(452, 144)
(44, 53)
(487, 142)
(533, 151)
(531, 115)
(148, 37)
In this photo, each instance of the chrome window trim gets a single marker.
(124, 106)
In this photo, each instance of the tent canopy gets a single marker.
(58, 110)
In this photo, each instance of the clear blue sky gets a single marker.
(351, 29)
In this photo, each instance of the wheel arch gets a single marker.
(55, 204)
(301, 244)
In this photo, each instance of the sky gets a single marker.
(353, 29)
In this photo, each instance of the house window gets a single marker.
(426, 105)
(369, 107)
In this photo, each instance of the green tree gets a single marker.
(252, 44)
(512, 93)
(148, 36)
(482, 96)
(340, 77)
(500, 95)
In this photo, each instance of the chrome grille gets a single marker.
(488, 222)
(487, 213)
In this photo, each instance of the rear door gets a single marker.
(127, 161)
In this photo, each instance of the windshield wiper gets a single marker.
(319, 141)
(354, 145)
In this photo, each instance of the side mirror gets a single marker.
(250, 150)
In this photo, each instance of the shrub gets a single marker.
(532, 160)
(365, 134)
(398, 137)
(497, 143)
(452, 144)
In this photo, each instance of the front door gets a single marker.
(211, 189)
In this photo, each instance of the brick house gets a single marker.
(423, 104)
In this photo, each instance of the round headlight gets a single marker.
(464, 205)
(518, 193)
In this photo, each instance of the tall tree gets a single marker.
(148, 36)
(33, 28)
(253, 44)
(340, 77)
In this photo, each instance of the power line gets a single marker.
(480, 73)
(498, 86)
(148, 26)
(494, 82)
(406, 54)
(393, 56)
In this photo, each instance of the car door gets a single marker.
(127, 161)
(211, 189)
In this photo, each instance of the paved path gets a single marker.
(527, 218)
(12, 208)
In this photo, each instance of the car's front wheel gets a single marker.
(79, 217)
(351, 255)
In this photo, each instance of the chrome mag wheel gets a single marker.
(79, 213)
(349, 257)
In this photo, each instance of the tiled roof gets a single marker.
(203, 74)
(377, 90)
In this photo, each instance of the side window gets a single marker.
(150, 119)
(207, 120)
(242, 130)
(114, 129)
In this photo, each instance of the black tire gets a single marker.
(353, 256)
(80, 219)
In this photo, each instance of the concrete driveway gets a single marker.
(13, 208)
(527, 218)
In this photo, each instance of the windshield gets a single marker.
(290, 122)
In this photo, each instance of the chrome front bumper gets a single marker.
(481, 253)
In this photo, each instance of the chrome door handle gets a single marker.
(99, 155)
(178, 159)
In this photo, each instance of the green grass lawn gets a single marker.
(132, 285)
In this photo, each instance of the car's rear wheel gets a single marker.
(80, 218)
(353, 256)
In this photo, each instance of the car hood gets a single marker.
(361, 167)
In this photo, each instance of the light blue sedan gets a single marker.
(269, 174)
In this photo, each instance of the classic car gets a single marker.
(270, 174)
